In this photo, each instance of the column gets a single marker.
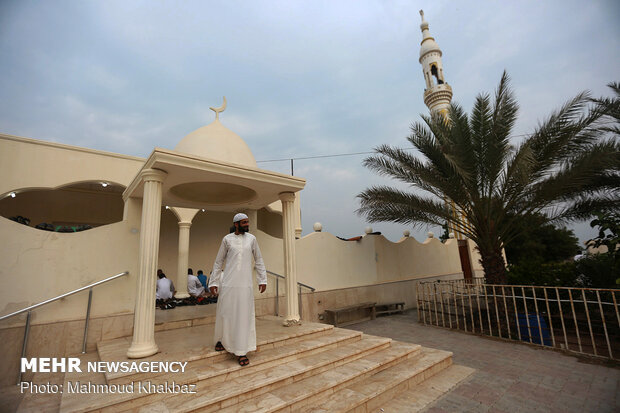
(185, 217)
(298, 228)
(183, 260)
(290, 261)
(143, 342)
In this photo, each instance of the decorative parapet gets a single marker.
(438, 94)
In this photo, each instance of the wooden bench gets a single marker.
(335, 315)
(390, 308)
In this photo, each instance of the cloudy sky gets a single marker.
(302, 78)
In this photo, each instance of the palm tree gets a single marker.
(566, 169)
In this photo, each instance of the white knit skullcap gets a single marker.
(239, 217)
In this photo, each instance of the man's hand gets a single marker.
(213, 290)
(262, 288)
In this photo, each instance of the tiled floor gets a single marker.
(510, 377)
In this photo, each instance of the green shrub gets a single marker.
(538, 273)
(594, 271)
(597, 271)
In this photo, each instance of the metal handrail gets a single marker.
(32, 307)
(299, 285)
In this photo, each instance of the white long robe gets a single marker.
(194, 286)
(235, 323)
(165, 289)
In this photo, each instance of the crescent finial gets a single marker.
(218, 110)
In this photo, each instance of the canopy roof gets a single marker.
(196, 182)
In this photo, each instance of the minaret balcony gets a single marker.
(438, 93)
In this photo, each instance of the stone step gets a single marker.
(244, 389)
(307, 392)
(209, 374)
(383, 386)
(196, 343)
(34, 400)
(185, 316)
(218, 366)
(212, 374)
(422, 395)
(71, 402)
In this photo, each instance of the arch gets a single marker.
(70, 207)
(435, 71)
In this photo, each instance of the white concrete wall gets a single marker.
(37, 265)
(326, 262)
(28, 163)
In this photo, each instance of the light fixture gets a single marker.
(12, 194)
(167, 207)
(104, 184)
(203, 210)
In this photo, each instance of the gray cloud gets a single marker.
(301, 78)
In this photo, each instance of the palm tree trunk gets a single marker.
(494, 266)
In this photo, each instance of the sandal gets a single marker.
(219, 346)
(243, 361)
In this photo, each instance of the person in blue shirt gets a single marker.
(202, 278)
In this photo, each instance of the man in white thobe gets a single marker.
(165, 287)
(194, 286)
(235, 327)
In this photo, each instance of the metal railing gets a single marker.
(579, 320)
(299, 286)
(32, 307)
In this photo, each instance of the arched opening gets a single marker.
(435, 73)
(72, 208)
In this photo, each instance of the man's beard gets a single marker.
(244, 229)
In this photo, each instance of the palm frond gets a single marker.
(480, 125)
(498, 146)
(577, 175)
(403, 166)
(382, 203)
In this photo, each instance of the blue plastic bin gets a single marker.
(538, 328)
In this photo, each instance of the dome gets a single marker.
(429, 45)
(216, 141)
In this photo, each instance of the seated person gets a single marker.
(202, 278)
(194, 287)
(165, 287)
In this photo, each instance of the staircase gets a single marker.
(308, 368)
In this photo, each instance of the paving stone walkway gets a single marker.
(510, 377)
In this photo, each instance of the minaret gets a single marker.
(437, 94)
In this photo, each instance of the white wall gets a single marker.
(29, 163)
(326, 262)
(37, 265)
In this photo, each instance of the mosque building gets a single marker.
(72, 216)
